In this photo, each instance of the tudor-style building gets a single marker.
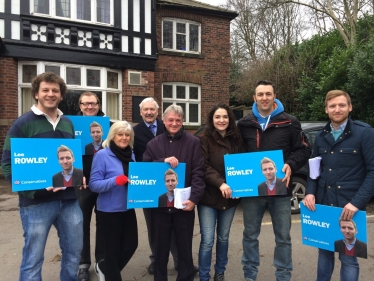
(177, 51)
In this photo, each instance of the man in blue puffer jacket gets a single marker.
(347, 174)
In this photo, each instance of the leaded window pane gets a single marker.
(167, 91)
(181, 92)
(27, 100)
(181, 42)
(63, 8)
(73, 76)
(194, 93)
(181, 27)
(93, 77)
(103, 11)
(112, 108)
(166, 105)
(41, 6)
(183, 105)
(84, 9)
(112, 80)
(194, 37)
(28, 73)
(167, 34)
(194, 113)
(52, 68)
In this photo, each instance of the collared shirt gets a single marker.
(68, 176)
(97, 147)
(271, 186)
(170, 197)
(339, 131)
(154, 124)
(37, 111)
(351, 245)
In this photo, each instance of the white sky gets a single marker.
(213, 2)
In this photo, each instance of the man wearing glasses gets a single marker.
(89, 105)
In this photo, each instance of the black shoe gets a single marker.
(195, 269)
(151, 268)
(219, 277)
(83, 274)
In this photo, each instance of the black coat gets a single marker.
(142, 136)
(280, 186)
(361, 248)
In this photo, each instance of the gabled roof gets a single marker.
(198, 6)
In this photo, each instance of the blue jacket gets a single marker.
(347, 166)
(105, 168)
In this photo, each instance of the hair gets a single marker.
(119, 127)
(266, 160)
(170, 172)
(352, 221)
(177, 109)
(264, 83)
(48, 77)
(63, 148)
(88, 94)
(148, 100)
(337, 93)
(95, 124)
(236, 137)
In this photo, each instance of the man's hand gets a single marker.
(172, 161)
(287, 169)
(83, 184)
(348, 212)
(309, 202)
(226, 190)
(189, 205)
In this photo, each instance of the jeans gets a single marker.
(208, 218)
(349, 270)
(37, 220)
(280, 212)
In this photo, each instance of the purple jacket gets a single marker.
(186, 148)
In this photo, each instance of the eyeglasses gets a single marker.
(86, 104)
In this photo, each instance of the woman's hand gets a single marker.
(121, 180)
(226, 191)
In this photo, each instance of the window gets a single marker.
(180, 35)
(93, 11)
(105, 83)
(188, 96)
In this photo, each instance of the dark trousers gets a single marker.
(173, 245)
(87, 202)
(120, 235)
(163, 225)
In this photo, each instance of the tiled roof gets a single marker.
(194, 3)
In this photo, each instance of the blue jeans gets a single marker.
(280, 212)
(208, 217)
(349, 270)
(37, 220)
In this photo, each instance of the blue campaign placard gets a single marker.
(82, 127)
(321, 229)
(245, 176)
(34, 161)
(148, 184)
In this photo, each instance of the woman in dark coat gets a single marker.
(216, 209)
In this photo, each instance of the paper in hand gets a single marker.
(314, 167)
(181, 195)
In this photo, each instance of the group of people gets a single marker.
(346, 180)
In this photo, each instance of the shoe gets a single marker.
(99, 273)
(151, 268)
(219, 277)
(83, 274)
(195, 269)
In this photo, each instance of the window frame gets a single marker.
(103, 88)
(73, 12)
(174, 35)
(187, 101)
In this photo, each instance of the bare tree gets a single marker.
(343, 15)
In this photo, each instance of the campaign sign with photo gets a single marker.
(82, 129)
(34, 161)
(321, 229)
(148, 183)
(255, 173)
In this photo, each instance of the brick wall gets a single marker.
(146, 89)
(8, 96)
(210, 70)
